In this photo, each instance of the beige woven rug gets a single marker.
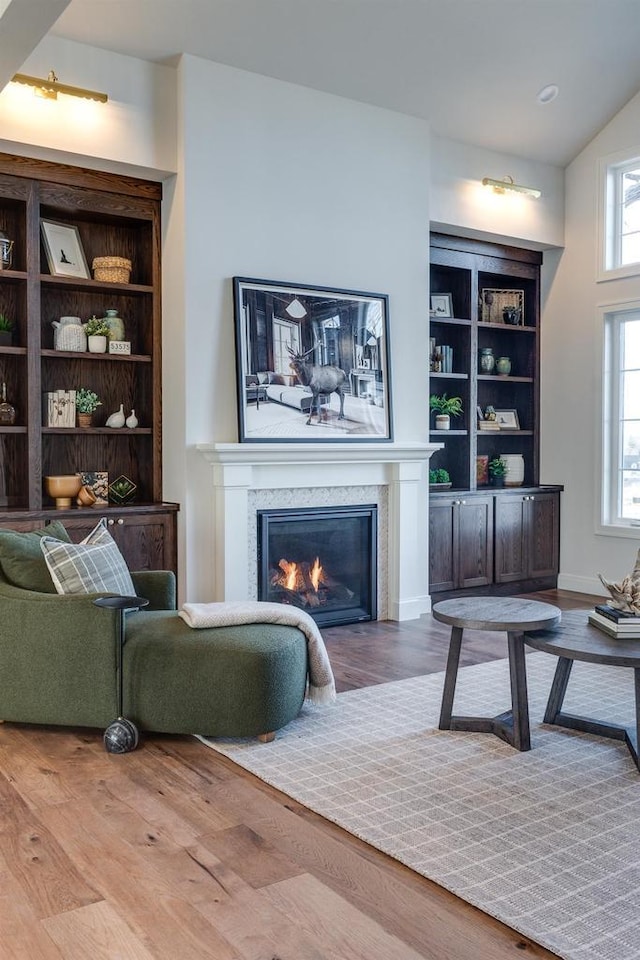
(547, 841)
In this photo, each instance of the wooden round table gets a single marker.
(514, 616)
(577, 639)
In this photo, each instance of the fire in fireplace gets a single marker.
(322, 560)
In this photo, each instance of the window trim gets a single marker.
(610, 169)
(609, 439)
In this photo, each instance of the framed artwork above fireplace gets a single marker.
(312, 363)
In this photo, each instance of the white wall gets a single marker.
(284, 183)
(571, 368)
(134, 133)
(460, 204)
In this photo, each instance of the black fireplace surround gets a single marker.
(320, 559)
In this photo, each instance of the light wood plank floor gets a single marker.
(173, 853)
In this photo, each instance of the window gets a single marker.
(286, 336)
(622, 218)
(621, 490)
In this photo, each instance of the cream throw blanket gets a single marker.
(229, 613)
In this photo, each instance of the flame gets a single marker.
(315, 574)
(300, 576)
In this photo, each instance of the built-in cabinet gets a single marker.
(489, 539)
(115, 217)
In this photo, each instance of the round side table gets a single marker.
(514, 616)
(121, 736)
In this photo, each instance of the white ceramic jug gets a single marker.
(68, 334)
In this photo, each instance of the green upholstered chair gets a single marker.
(58, 658)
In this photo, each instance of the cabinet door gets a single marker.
(441, 545)
(474, 549)
(147, 540)
(510, 547)
(543, 534)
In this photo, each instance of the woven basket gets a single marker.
(112, 269)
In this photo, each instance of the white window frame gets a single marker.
(611, 172)
(609, 521)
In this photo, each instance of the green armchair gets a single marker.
(58, 665)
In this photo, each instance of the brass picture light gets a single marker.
(51, 87)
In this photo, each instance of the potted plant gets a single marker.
(498, 469)
(439, 479)
(6, 330)
(87, 403)
(445, 408)
(97, 332)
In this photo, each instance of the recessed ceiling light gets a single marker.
(548, 93)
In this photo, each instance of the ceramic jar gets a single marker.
(487, 360)
(116, 325)
(443, 421)
(68, 334)
(515, 469)
(503, 366)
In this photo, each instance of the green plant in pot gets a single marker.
(97, 331)
(439, 478)
(445, 407)
(87, 402)
(498, 470)
(6, 330)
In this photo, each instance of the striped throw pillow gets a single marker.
(95, 565)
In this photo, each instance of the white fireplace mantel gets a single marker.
(239, 468)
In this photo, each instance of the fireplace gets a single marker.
(320, 559)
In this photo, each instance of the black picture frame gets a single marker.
(282, 330)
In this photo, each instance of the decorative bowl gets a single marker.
(63, 488)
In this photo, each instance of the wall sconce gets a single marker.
(51, 87)
(507, 184)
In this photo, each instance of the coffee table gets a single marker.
(514, 616)
(577, 639)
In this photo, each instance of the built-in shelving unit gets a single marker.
(485, 538)
(114, 216)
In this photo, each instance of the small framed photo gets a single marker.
(63, 248)
(508, 419)
(441, 305)
(480, 412)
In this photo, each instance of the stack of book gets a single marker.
(616, 623)
(488, 425)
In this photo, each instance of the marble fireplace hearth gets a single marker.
(248, 477)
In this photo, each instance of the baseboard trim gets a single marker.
(580, 584)
(408, 609)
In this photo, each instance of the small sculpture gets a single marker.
(626, 595)
(132, 420)
(116, 419)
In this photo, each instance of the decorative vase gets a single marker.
(97, 344)
(69, 335)
(116, 325)
(503, 366)
(487, 360)
(515, 471)
(443, 421)
(132, 420)
(116, 419)
(85, 420)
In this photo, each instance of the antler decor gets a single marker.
(626, 595)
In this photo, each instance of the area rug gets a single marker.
(546, 841)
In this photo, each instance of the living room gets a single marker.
(271, 179)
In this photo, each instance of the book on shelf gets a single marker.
(488, 425)
(612, 613)
(628, 631)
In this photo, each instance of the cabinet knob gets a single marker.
(120, 521)
(531, 498)
(462, 501)
(110, 522)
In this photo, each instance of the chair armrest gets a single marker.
(157, 586)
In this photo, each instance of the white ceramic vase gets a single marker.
(515, 469)
(443, 421)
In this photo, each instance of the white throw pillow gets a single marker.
(95, 565)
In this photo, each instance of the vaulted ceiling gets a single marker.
(472, 68)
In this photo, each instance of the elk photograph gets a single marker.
(312, 363)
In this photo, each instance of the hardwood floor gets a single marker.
(174, 853)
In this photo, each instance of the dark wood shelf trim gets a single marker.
(14, 351)
(449, 376)
(14, 429)
(505, 433)
(506, 327)
(452, 321)
(13, 275)
(449, 433)
(79, 283)
(85, 355)
(507, 378)
(103, 431)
